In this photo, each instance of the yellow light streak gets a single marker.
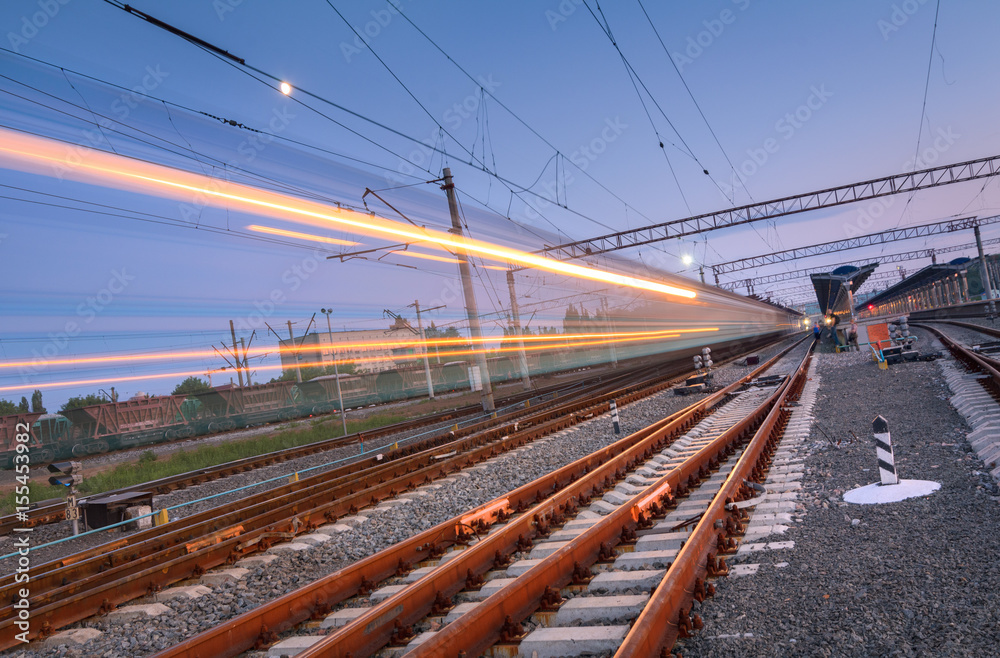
(312, 364)
(388, 345)
(301, 236)
(48, 157)
(417, 254)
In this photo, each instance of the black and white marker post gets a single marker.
(883, 449)
(880, 492)
(614, 417)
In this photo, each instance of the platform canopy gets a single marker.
(917, 280)
(832, 288)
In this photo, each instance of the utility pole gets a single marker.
(246, 366)
(611, 330)
(236, 353)
(423, 343)
(295, 353)
(336, 369)
(987, 285)
(470, 298)
(515, 315)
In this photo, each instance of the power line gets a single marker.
(923, 109)
(200, 112)
(512, 113)
(242, 66)
(693, 99)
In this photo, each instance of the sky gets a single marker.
(530, 104)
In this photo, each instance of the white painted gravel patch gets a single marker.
(916, 578)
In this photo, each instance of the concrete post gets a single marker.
(471, 309)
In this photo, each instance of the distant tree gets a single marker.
(36, 402)
(289, 375)
(86, 401)
(23, 408)
(7, 408)
(191, 385)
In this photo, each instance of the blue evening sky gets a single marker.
(801, 96)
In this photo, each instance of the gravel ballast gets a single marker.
(381, 529)
(915, 578)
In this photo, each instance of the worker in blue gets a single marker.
(817, 332)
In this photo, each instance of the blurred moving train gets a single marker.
(145, 420)
(735, 323)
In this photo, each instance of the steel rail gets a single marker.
(474, 632)
(57, 511)
(256, 627)
(989, 331)
(136, 570)
(976, 361)
(371, 630)
(659, 624)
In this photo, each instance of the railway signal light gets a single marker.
(68, 473)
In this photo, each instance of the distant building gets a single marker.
(371, 350)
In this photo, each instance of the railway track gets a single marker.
(680, 475)
(54, 512)
(976, 362)
(97, 580)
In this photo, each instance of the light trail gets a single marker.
(301, 236)
(314, 364)
(417, 254)
(39, 155)
(387, 345)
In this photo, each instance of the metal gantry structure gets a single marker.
(871, 239)
(834, 196)
(751, 283)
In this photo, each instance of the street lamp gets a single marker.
(336, 370)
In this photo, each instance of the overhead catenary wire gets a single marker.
(271, 81)
(923, 112)
(694, 100)
(516, 116)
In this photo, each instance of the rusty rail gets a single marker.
(101, 578)
(975, 361)
(697, 558)
(376, 627)
(476, 631)
(57, 512)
